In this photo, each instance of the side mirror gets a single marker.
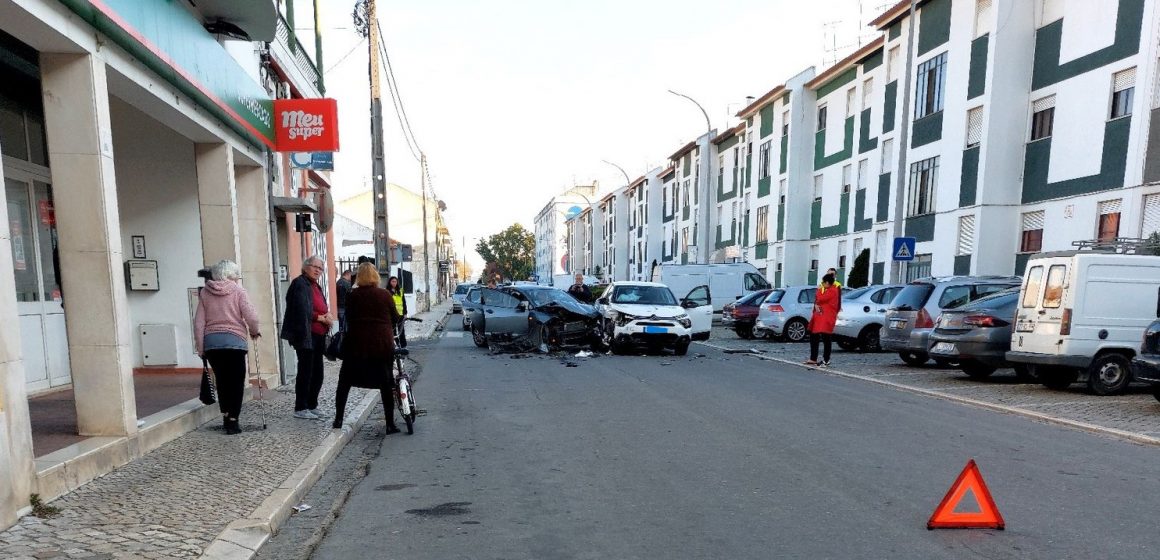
(737, 297)
(688, 304)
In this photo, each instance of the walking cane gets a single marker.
(256, 381)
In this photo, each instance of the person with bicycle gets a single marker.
(400, 299)
(368, 347)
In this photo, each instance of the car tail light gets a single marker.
(983, 321)
(923, 321)
(1065, 322)
(775, 308)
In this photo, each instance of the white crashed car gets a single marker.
(647, 314)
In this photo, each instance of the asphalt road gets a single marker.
(724, 456)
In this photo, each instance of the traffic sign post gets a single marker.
(903, 249)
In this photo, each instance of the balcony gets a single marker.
(291, 57)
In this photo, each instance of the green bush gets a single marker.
(860, 274)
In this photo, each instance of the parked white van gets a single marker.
(1081, 315)
(727, 282)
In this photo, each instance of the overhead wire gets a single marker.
(343, 57)
(397, 99)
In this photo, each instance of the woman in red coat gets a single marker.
(826, 304)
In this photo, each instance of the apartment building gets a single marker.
(1001, 128)
(551, 231)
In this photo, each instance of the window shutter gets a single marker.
(880, 246)
(982, 17)
(1033, 220)
(1110, 207)
(863, 170)
(1043, 104)
(1151, 215)
(867, 92)
(1124, 79)
(817, 186)
(966, 243)
(974, 126)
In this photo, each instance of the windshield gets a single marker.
(462, 289)
(548, 295)
(774, 296)
(644, 295)
(855, 293)
(752, 299)
(912, 297)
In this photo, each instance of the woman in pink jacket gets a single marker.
(224, 322)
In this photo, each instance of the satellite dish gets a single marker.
(325, 203)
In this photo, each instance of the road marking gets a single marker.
(1084, 426)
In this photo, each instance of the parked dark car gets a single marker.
(535, 315)
(742, 314)
(1146, 364)
(977, 335)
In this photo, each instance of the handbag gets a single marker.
(208, 391)
(334, 347)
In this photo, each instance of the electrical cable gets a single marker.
(393, 82)
(344, 57)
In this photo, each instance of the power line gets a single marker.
(397, 96)
(344, 57)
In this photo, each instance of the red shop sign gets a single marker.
(47, 213)
(306, 125)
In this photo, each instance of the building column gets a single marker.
(217, 201)
(258, 274)
(80, 146)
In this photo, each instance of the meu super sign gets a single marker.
(306, 125)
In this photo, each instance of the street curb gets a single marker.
(241, 539)
(1084, 426)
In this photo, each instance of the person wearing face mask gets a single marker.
(222, 326)
(304, 326)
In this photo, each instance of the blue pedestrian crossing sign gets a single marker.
(903, 248)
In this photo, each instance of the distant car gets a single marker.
(910, 318)
(470, 303)
(1146, 364)
(457, 297)
(978, 335)
(648, 314)
(539, 315)
(786, 313)
(863, 313)
(742, 314)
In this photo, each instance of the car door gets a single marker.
(698, 303)
(503, 314)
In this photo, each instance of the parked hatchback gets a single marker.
(862, 316)
(910, 318)
(742, 314)
(1146, 364)
(978, 335)
(786, 313)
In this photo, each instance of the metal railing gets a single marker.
(301, 60)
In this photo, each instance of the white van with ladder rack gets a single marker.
(1081, 313)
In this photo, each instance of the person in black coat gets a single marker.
(368, 347)
(580, 291)
(304, 326)
(342, 289)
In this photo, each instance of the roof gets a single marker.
(845, 63)
(636, 181)
(895, 13)
(762, 101)
(730, 133)
(666, 171)
(684, 150)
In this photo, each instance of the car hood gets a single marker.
(640, 310)
(557, 307)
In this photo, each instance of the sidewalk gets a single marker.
(203, 492)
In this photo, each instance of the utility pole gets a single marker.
(426, 259)
(367, 23)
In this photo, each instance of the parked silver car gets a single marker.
(459, 295)
(910, 318)
(786, 313)
(863, 314)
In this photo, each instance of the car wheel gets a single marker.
(870, 339)
(541, 337)
(1023, 373)
(478, 337)
(847, 345)
(1057, 378)
(681, 348)
(913, 359)
(1109, 374)
(744, 332)
(976, 370)
(796, 330)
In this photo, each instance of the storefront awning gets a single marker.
(258, 18)
(292, 205)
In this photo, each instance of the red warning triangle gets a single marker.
(969, 480)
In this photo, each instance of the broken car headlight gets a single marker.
(685, 321)
(623, 319)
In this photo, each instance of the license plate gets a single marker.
(656, 330)
(897, 324)
(944, 348)
(574, 327)
(1024, 326)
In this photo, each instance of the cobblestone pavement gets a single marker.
(174, 501)
(1136, 411)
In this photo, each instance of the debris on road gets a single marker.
(743, 351)
(585, 354)
(302, 507)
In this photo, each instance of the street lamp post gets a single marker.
(703, 183)
(627, 182)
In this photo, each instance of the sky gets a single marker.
(515, 101)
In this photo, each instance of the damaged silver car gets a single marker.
(535, 317)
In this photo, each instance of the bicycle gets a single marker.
(404, 393)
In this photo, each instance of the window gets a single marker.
(781, 191)
(763, 224)
(822, 118)
(982, 17)
(1031, 290)
(1053, 295)
(887, 156)
(1123, 88)
(867, 92)
(785, 123)
(851, 99)
(880, 249)
(685, 240)
(974, 127)
(929, 93)
(1032, 239)
(813, 257)
(918, 268)
(763, 160)
(841, 254)
(720, 171)
(966, 244)
(857, 247)
(954, 296)
(863, 170)
(923, 182)
(1151, 215)
(807, 296)
(1042, 117)
(817, 188)
(685, 194)
(847, 171)
(1109, 224)
(777, 257)
(892, 64)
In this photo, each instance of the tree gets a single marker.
(860, 274)
(512, 251)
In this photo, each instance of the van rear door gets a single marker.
(1040, 313)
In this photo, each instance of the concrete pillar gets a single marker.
(258, 274)
(16, 467)
(217, 199)
(80, 146)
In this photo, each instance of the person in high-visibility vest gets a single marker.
(396, 290)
